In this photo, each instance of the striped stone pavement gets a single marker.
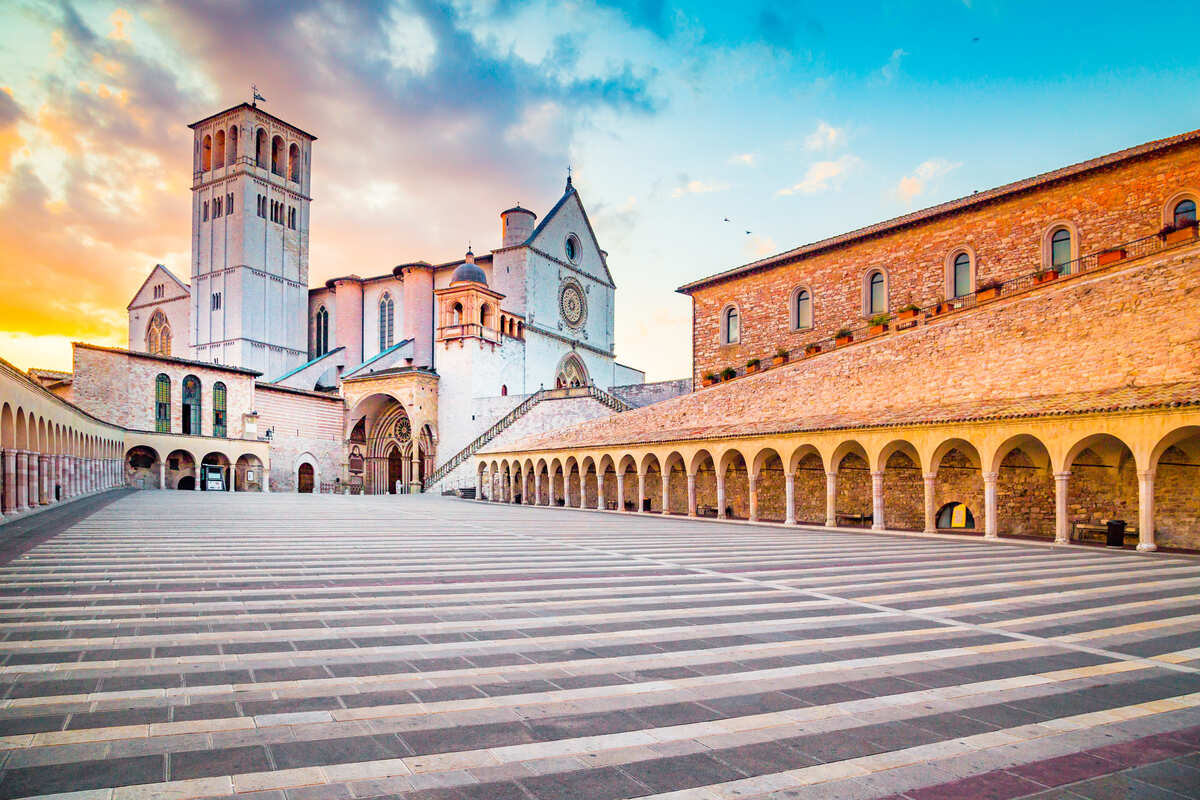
(285, 647)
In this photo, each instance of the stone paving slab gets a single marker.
(181, 645)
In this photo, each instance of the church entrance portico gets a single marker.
(392, 430)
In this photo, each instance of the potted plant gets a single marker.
(908, 312)
(812, 349)
(781, 357)
(843, 336)
(752, 366)
(987, 291)
(710, 379)
(1111, 256)
(1045, 275)
(879, 324)
(1173, 234)
(728, 374)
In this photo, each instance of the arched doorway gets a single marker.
(395, 469)
(304, 479)
(571, 373)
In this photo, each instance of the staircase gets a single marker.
(502, 424)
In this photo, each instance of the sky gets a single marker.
(793, 121)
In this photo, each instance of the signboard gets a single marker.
(214, 478)
(958, 516)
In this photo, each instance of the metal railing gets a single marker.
(502, 424)
(904, 320)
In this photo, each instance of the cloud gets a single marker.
(889, 71)
(696, 187)
(825, 137)
(744, 159)
(822, 176)
(911, 186)
(756, 247)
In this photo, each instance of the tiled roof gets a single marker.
(743, 401)
(925, 214)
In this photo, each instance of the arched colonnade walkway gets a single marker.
(1056, 478)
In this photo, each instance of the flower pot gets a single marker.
(843, 340)
(751, 369)
(876, 330)
(1114, 255)
(1045, 277)
(908, 313)
(779, 361)
(728, 377)
(1181, 235)
(940, 308)
(708, 381)
(984, 295)
(812, 349)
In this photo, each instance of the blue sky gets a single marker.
(796, 121)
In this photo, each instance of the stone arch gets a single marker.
(542, 478)
(143, 467)
(850, 466)
(899, 463)
(958, 480)
(1104, 481)
(770, 486)
(650, 483)
(807, 466)
(1175, 470)
(1047, 242)
(558, 479)
(306, 459)
(294, 162)
(572, 483)
(220, 461)
(1168, 208)
(733, 471)
(571, 372)
(606, 473)
(248, 473)
(1023, 471)
(703, 469)
(675, 488)
(949, 283)
(206, 153)
(181, 470)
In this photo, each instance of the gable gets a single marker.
(566, 218)
(173, 288)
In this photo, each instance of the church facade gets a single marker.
(418, 360)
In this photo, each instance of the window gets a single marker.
(191, 405)
(229, 203)
(158, 334)
(216, 301)
(162, 404)
(261, 154)
(321, 344)
(504, 390)
(277, 156)
(294, 162)
(219, 409)
(876, 293)
(1185, 213)
(457, 312)
(219, 154)
(1060, 249)
(159, 291)
(571, 247)
(386, 321)
(802, 316)
(962, 275)
(205, 217)
(206, 154)
(217, 207)
(731, 331)
(258, 206)
(233, 139)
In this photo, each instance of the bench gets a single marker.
(856, 519)
(1092, 532)
(706, 511)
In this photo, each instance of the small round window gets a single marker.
(572, 248)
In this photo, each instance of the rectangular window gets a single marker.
(205, 218)
(229, 203)
(216, 301)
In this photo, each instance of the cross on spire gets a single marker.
(568, 176)
(255, 96)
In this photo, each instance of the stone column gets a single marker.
(552, 498)
(537, 489)
(9, 466)
(599, 490)
(831, 487)
(789, 497)
(620, 491)
(162, 474)
(233, 477)
(877, 523)
(45, 471)
(1062, 526)
(691, 489)
(1146, 511)
(196, 469)
(991, 522)
(666, 493)
(930, 510)
(266, 481)
(32, 467)
(720, 474)
(641, 497)
(752, 485)
(22, 480)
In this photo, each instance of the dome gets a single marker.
(468, 271)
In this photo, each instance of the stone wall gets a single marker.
(301, 423)
(1106, 207)
(644, 394)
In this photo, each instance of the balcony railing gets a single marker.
(1136, 248)
(468, 329)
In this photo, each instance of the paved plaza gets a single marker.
(297, 647)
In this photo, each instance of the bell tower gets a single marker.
(251, 190)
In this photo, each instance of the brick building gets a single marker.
(1024, 361)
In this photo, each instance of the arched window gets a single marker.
(321, 340)
(386, 321)
(277, 155)
(457, 312)
(1184, 213)
(158, 334)
(162, 403)
(731, 326)
(485, 315)
(504, 390)
(802, 311)
(261, 153)
(294, 162)
(962, 275)
(520, 330)
(191, 405)
(219, 409)
(1060, 249)
(571, 373)
(233, 137)
(206, 154)
(219, 154)
(876, 293)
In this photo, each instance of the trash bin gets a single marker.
(1116, 533)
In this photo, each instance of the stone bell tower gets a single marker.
(251, 189)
